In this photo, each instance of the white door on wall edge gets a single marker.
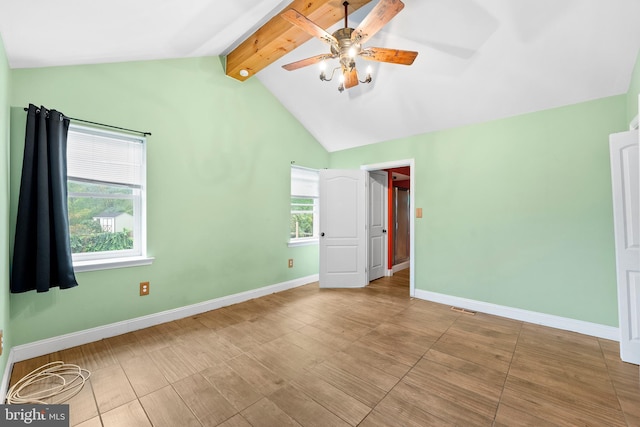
(343, 228)
(377, 224)
(625, 181)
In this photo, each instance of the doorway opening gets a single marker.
(410, 204)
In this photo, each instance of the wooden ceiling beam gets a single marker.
(278, 37)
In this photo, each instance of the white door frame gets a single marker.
(398, 164)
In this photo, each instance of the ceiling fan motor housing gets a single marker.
(345, 44)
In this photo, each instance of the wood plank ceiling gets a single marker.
(278, 37)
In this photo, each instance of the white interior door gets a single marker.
(625, 179)
(343, 228)
(377, 224)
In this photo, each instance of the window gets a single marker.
(304, 206)
(106, 195)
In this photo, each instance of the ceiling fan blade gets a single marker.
(350, 77)
(376, 19)
(394, 56)
(305, 62)
(301, 21)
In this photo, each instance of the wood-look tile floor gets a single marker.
(366, 357)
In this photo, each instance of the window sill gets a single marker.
(105, 264)
(305, 242)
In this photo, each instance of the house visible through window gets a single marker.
(106, 194)
(304, 206)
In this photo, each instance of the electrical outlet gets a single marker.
(290, 262)
(144, 288)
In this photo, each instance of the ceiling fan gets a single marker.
(346, 43)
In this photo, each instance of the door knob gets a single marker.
(321, 234)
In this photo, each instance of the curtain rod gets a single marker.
(105, 125)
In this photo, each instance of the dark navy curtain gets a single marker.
(42, 252)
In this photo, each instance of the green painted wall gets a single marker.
(218, 187)
(518, 211)
(4, 205)
(634, 91)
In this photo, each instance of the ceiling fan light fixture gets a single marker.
(346, 43)
(323, 74)
(323, 68)
(368, 78)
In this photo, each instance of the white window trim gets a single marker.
(302, 241)
(109, 263)
(98, 260)
(306, 241)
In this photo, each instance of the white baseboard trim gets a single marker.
(401, 266)
(50, 345)
(565, 323)
(4, 385)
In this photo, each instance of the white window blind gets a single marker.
(97, 156)
(304, 182)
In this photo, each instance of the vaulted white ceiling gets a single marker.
(479, 60)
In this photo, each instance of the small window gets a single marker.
(304, 206)
(106, 194)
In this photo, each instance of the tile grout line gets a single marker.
(506, 376)
(386, 393)
(411, 368)
(613, 384)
